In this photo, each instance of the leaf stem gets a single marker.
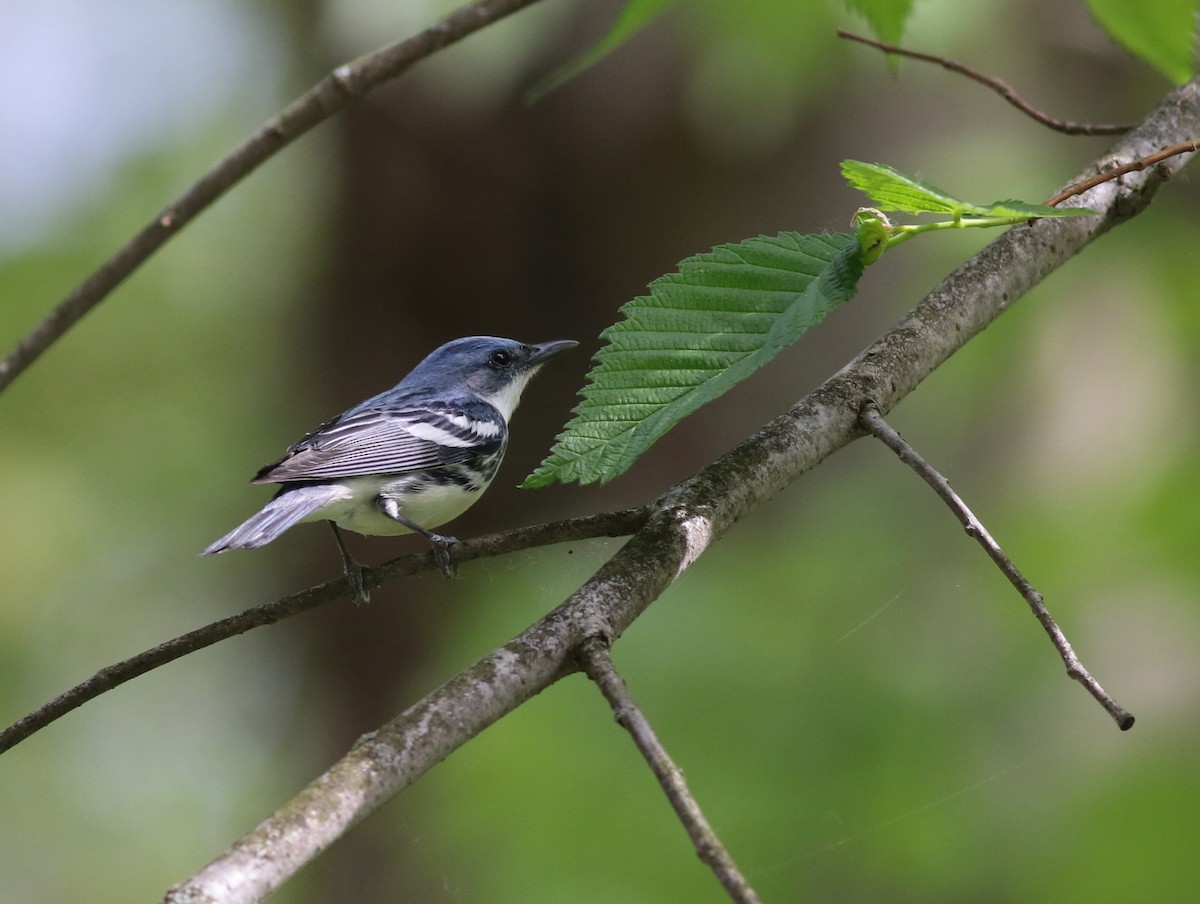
(902, 233)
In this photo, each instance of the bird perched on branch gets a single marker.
(406, 460)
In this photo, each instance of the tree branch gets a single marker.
(685, 521)
(337, 90)
(610, 524)
(597, 663)
(1002, 88)
(883, 431)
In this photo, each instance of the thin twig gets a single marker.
(1000, 87)
(874, 423)
(342, 86)
(596, 661)
(609, 524)
(1116, 172)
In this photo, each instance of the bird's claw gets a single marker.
(441, 555)
(354, 577)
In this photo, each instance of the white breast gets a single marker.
(356, 508)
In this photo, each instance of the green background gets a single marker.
(864, 707)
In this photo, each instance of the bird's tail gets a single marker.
(285, 510)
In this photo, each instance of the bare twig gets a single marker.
(610, 524)
(1116, 172)
(1000, 87)
(345, 84)
(874, 423)
(596, 661)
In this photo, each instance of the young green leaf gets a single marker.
(893, 190)
(699, 332)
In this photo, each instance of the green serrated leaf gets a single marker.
(1163, 32)
(892, 190)
(698, 333)
(636, 15)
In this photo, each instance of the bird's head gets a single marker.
(495, 370)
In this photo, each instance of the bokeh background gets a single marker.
(864, 707)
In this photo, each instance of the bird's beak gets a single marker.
(544, 351)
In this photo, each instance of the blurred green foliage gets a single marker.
(1163, 34)
(865, 709)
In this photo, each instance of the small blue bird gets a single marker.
(406, 460)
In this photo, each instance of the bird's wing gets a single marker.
(379, 441)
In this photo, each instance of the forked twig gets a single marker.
(1001, 87)
(596, 661)
(874, 424)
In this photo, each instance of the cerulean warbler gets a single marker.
(406, 460)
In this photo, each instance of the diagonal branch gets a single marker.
(686, 520)
(610, 524)
(344, 85)
(879, 428)
(597, 663)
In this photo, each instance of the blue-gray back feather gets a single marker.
(373, 440)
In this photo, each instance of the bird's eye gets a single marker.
(500, 358)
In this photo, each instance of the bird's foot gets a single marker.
(354, 577)
(351, 568)
(441, 546)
